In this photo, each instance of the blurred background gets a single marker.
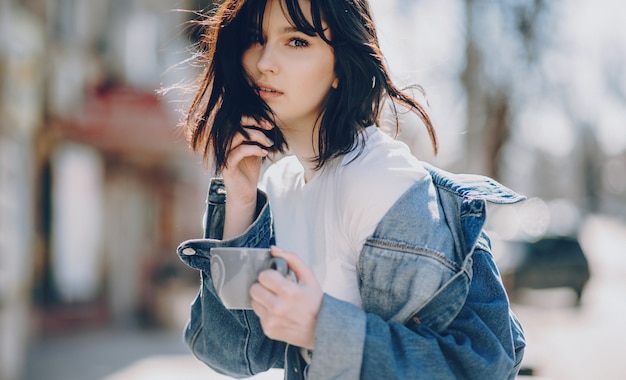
(97, 186)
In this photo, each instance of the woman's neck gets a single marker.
(303, 144)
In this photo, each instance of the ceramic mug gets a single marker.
(235, 269)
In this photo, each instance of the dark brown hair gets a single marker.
(224, 93)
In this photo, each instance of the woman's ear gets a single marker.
(335, 83)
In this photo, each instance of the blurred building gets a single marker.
(97, 186)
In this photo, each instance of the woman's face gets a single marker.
(291, 71)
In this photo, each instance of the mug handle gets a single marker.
(280, 265)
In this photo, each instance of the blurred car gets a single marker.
(551, 262)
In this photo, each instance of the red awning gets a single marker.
(129, 123)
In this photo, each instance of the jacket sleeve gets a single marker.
(478, 343)
(229, 341)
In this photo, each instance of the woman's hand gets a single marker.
(241, 175)
(287, 309)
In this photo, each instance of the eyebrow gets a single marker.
(290, 29)
(293, 29)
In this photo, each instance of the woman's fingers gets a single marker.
(287, 309)
(263, 296)
(255, 137)
(303, 273)
(247, 121)
(251, 144)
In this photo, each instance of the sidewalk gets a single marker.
(119, 355)
(181, 367)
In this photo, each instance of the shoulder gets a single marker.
(369, 182)
(473, 186)
(379, 164)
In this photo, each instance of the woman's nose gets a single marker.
(267, 60)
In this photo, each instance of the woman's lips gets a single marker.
(268, 92)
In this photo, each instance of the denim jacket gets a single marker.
(433, 304)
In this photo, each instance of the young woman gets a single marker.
(394, 275)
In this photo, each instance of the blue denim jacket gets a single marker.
(433, 302)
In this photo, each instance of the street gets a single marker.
(566, 343)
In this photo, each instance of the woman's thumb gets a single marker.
(299, 268)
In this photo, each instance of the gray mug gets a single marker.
(235, 269)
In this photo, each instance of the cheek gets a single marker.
(323, 80)
(319, 69)
(247, 60)
(327, 74)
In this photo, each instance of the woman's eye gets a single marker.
(298, 43)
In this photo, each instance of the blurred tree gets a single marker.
(502, 41)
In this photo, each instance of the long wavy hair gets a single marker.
(224, 94)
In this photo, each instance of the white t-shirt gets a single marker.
(327, 219)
